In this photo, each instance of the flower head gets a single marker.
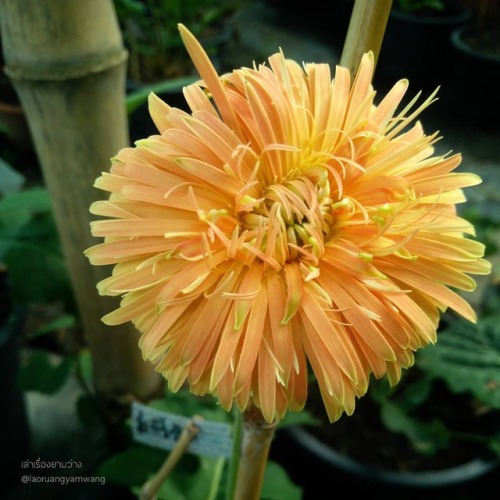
(287, 223)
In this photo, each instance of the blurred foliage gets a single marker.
(151, 35)
(44, 372)
(30, 248)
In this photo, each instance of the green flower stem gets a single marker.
(256, 443)
(216, 480)
(235, 455)
(150, 489)
(366, 31)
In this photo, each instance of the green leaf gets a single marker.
(412, 395)
(44, 372)
(30, 247)
(303, 417)
(494, 444)
(37, 269)
(467, 358)
(425, 438)
(11, 181)
(17, 210)
(133, 466)
(60, 323)
(186, 404)
(138, 97)
(277, 485)
(25, 201)
(191, 479)
(36, 274)
(408, 393)
(380, 390)
(85, 366)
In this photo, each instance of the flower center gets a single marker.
(292, 220)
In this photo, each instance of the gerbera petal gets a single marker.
(266, 385)
(159, 110)
(252, 336)
(331, 337)
(281, 332)
(208, 73)
(211, 175)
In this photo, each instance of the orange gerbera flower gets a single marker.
(287, 220)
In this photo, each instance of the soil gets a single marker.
(364, 437)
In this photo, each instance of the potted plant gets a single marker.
(150, 33)
(437, 432)
(416, 42)
(158, 61)
(476, 51)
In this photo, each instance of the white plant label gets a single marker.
(162, 430)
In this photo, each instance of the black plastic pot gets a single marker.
(476, 73)
(417, 47)
(318, 468)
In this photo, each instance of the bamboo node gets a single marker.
(67, 69)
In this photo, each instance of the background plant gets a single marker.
(150, 33)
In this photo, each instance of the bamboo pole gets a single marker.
(67, 63)
(366, 31)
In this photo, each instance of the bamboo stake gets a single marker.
(67, 63)
(150, 489)
(366, 31)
